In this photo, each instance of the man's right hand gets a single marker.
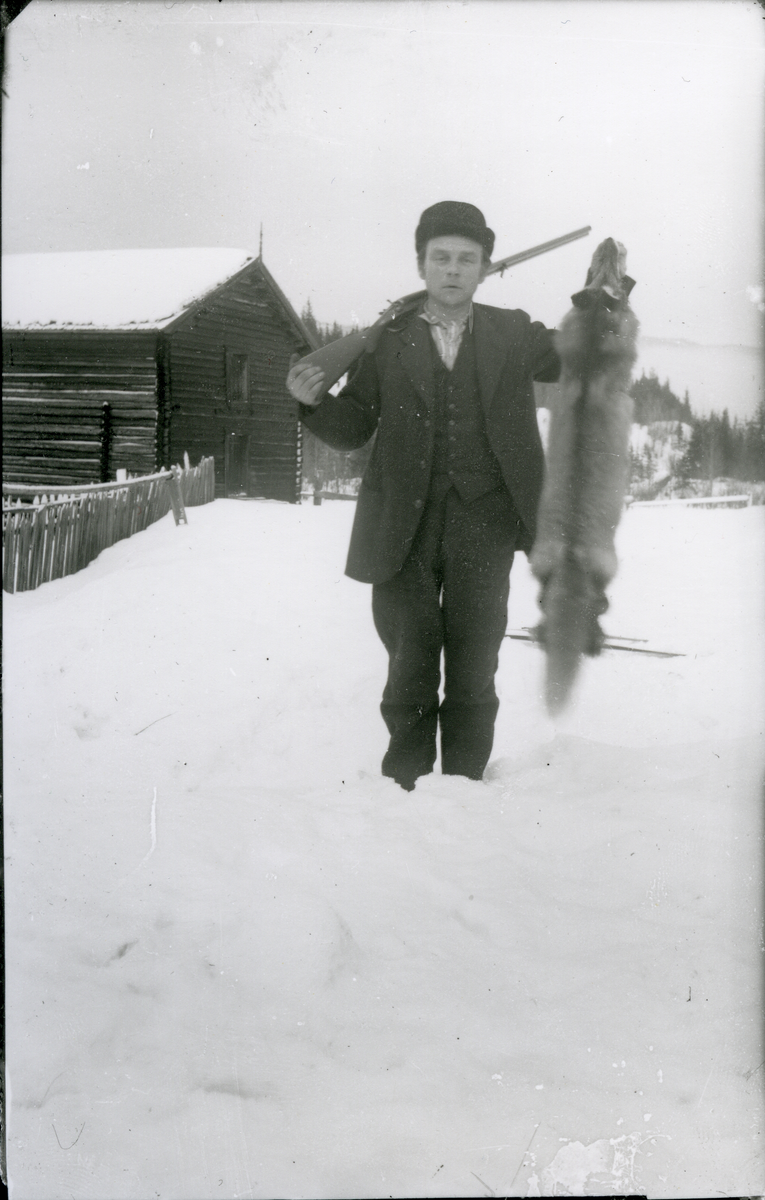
(305, 383)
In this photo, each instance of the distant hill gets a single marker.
(715, 377)
(654, 401)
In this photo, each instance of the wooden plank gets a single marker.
(25, 539)
(58, 517)
(64, 388)
(21, 490)
(51, 542)
(77, 346)
(49, 362)
(37, 549)
(70, 557)
(75, 435)
(66, 480)
(109, 513)
(88, 551)
(30, 409)
(10, 551)
(71, 391)
(48, 451)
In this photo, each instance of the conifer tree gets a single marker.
(655, 401)
(309, 320)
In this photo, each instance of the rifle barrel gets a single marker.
(504, 263)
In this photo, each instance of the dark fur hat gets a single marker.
(453, 217)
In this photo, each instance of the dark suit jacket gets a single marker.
(392, 391)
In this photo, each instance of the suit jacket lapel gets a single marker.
(416, 358)
(492, 346)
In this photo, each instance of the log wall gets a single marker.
(55, 387)
(208, 417)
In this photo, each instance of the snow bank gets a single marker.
(242, 964)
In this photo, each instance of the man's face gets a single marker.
(452, 269)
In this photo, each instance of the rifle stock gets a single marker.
(335, 358)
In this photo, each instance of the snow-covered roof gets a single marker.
(111, 289)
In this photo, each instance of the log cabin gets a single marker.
(128, 359)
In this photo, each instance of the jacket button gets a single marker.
(418, 504)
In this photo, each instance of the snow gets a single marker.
(111, 289)
(665, 442)
(243, 964)
(543, 425)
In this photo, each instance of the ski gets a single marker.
(612, 637)
(611, 643)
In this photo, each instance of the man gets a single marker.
(450, 493)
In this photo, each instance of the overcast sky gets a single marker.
(141, 124)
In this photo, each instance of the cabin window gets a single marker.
(237, 381)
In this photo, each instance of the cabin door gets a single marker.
(237, 454)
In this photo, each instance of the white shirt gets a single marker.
(448, 334)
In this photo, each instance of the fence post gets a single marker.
(176, 496)
(106, 431)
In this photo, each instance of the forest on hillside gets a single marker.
(704, 448)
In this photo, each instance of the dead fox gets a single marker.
(587, 469)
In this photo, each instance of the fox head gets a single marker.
(607, 278)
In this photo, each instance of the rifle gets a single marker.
(335, 359)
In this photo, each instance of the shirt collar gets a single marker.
(460, 324)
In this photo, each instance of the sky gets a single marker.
(132, 124)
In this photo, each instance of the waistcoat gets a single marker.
(461, 449)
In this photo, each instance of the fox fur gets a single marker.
(574, 556)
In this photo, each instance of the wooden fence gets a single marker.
(743, 501)
(198, 483)
(49, 533)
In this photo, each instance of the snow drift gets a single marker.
(242, 964)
